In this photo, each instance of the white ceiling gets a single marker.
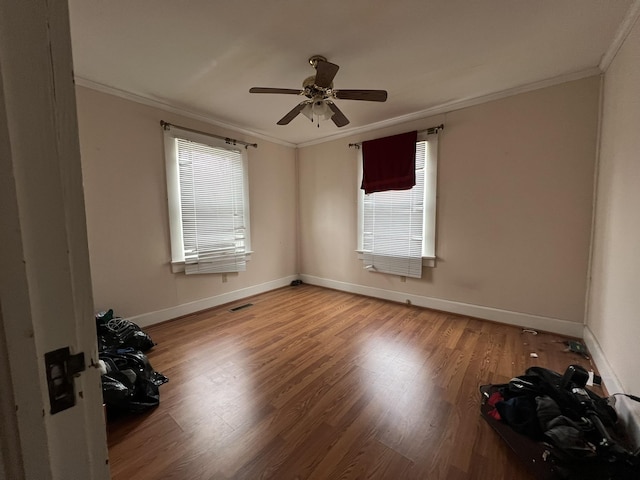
(202, 56)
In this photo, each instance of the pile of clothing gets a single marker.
(574, 433)
(129, 383)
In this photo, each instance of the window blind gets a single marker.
(212, 208)
(393, 226)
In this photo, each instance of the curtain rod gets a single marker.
(230, 141)
(429, 131)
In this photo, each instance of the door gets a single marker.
(45, 284)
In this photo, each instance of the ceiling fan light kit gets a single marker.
(320, 95)
(318, 108)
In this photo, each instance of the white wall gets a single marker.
(515, 179)
(614, 304)
(125, 188)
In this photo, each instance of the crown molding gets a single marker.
(429, 112)
(458, 105)
(621, 35)
(168, 107)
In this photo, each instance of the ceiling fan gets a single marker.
(320, 94)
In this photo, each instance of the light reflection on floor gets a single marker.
(229, 401)
(402, 382)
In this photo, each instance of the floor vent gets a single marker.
(240, 307)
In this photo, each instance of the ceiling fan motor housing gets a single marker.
(311, 90)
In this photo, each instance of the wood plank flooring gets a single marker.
(310, 383)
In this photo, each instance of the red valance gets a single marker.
(389, 163)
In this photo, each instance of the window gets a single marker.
(397, 227)
(207, 188)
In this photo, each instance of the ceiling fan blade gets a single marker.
(325, 73)
(338, 117)
(275, 90)
(292, 114)
(369, 95)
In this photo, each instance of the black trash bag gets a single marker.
(134, 337)
(130, 384)
(116, 332)
(139, 363)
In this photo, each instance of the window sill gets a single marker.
(426, 261)
(178, 267)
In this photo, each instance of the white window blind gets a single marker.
(208, 204)
(393, 224)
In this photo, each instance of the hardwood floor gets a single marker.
(310, 383)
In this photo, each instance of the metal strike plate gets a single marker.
(61, 367)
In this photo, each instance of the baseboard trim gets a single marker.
(151, 318)
(606, 372)
(524, 320)
(628, 410)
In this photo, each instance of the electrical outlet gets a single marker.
(224, 278)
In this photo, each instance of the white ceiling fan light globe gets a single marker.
(318, 108)
(328, 114)
(322, 110)
(307, 111)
